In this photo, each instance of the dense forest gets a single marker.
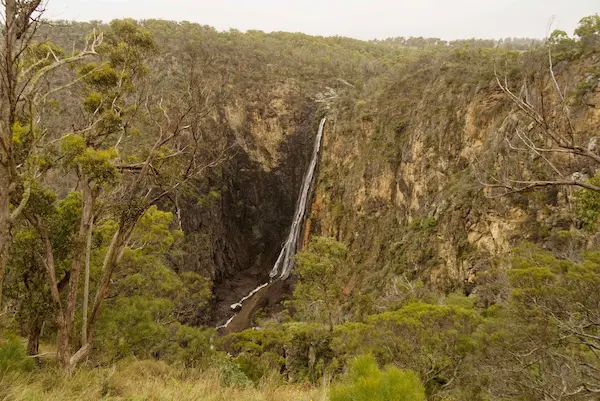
(149, 174)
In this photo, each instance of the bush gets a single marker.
(298, 350)
(13, 356)
(231, 374)
(432, 340)
(366, 382)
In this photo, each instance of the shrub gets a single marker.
(588, 205)
(298, 350)
(231, 374)
(432, 340)
(13, 356)
(365, 381)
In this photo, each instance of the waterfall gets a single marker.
(285, 262)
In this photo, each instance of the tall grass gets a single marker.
(148, 380)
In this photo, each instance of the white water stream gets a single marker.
(285, 262)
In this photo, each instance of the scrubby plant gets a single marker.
(13, 356)
(322, 270)
(231, 374)
(588, 205)
(366, 382)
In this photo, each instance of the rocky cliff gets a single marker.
(411, 135)
(399, 180)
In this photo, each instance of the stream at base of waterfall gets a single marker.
(285, 262)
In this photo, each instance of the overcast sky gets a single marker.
(364, 19)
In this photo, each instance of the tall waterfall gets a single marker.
(285, 262)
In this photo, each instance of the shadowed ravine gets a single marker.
(244, 309)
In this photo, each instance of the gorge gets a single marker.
(281, 212)
(284, 263)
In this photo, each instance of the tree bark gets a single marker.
(54, 288)
(63, 347)
(7, 107)
(111, 260)
(33, 338)
(4, 225)
(86, 287)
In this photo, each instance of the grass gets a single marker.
(147, 380)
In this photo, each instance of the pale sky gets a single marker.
(363, 19)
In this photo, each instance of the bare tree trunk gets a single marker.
(54, 287)
(4, 226)
(63, 346)
(86, 288)
(33, 338)
(7, 107)
(111, 260)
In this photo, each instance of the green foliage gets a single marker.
(588, 205)
(563, 47)
(428, 224)
(546, 329)
(232, 375)
(72, 146)
(210, 199)
(192, 347)
(365, 382)
(100, 77)
(40, 55)
(582, 89)
(132, 326)
(151, 301)
(322, 269)
(543, 333)
(299, 350)
(93, 102)
(193, 296)
(127, 41)
(557, 37)
(21, 134)
(13, 356)
(541, 282)
(366, 117)
(589, 33)
(417, 248)
(428, 339)
(99, 165)
(141, 327)
(520, 344)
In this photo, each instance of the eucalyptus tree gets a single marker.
(24, 66)
(131, 146)
(101, 132)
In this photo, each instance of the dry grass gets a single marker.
(147, 380)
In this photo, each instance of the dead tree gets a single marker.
(539, 128)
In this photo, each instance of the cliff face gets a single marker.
(399, 181)
(238, 217)
(400, 185)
